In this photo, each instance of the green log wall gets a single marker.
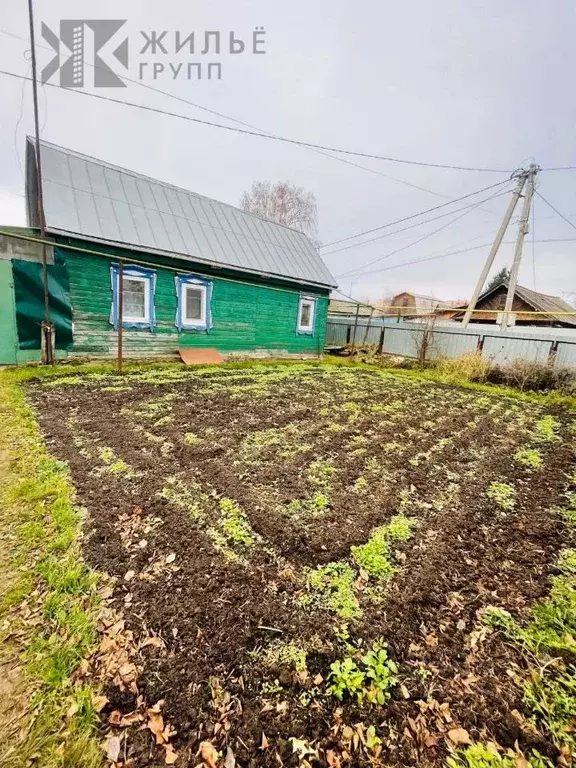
(246, 317)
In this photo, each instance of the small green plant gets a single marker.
(546, 430)
(332, 587)
(235, 523)
(381, 674)
(190, 438)
(503, 494)
(529, 457)
(374, 557)
(369, 677)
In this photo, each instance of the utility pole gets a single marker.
(522, 177)
(522, 230)
(47, 328)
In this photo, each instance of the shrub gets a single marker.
(537, 377)
(470, 367)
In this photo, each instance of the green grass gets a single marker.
(38, 504)
(549, 642)
(502, 494)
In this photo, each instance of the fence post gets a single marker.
(552, 353)
(480, 345)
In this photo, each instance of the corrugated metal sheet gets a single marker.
(530, 344)
(101, 202)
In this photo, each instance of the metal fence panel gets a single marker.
(506, 349)
(566, 355)
(501, 347)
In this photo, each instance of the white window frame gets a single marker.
(147, 302)
(311, 302)
(194, 322)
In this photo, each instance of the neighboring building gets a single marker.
(491, 303)
(349, 308)
(415, 305)
(197, 272)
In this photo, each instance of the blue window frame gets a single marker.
(306, 316)
(194, 312)
(139, 286)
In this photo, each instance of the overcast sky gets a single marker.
(480, 83)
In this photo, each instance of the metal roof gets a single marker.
(94, 200)
(540, 302)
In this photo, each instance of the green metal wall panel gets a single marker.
(246, 317)
(8, 337)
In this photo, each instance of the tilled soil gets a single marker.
(314, 458)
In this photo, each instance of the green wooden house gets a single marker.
(196, 272)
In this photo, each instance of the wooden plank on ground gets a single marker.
(197, 356)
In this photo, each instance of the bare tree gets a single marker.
(283, 203)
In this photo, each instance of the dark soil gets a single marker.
(397, 445)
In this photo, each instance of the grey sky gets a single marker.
(480, 83)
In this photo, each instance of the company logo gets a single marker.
(87, 52)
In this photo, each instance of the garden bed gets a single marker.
(304, 557)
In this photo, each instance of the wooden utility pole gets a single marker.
(522, 230)
(522, 177)
(355, 326)
(47, 326)
(120, 313)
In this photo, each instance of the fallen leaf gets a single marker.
(264, 742)
(115, 717)
(156, 725)
(171, 756)
(209, 754)
(131, 719)
(521, 762)
(171, 557)
(318, 679)
(73, 708)
(129, 575)
(230, 759)
(459, 736)
(99, 702)
(431, 640)
(431, 741)
(113, 748)
(332, 759)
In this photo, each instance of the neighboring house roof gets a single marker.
(342, 307)
(540, 302)
(96, 201)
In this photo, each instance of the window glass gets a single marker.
(194, 303)
(305, 315)
(134, 298)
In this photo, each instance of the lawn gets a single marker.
(323, 565)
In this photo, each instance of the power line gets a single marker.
(407, 218)
(468, 209)
(549, 204)
(247, 125)
(455, 253)
(265, 135)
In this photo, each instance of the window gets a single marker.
(306, 315)
(138, 286)
(135, 304)
(194, 304)
(194, 299)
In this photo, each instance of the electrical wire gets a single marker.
(549, 204)
(468, 209)
(455, 253)
(269, 136)
(247, 125)
(408, 218)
